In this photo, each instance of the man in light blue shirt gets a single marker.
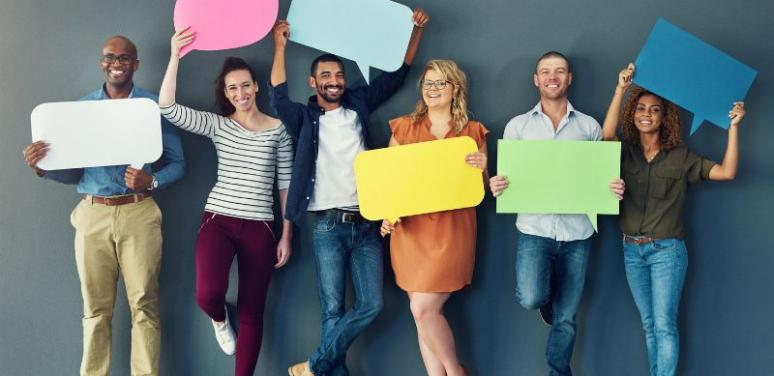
(118, 228)
(552, 249)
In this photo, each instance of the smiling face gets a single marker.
(240, 89)
(432, 93)
(553, 78)
(119, 61)
(649, 114)
(328, 81)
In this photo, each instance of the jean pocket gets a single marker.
(665, 244)
(324, 223)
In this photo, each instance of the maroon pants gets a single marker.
(220, 238)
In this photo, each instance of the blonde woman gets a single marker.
(433, 254)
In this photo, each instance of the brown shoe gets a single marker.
(300, 369)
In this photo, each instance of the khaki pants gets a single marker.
(109, 239)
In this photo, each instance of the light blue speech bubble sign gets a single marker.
(692, 74)
(374, 33)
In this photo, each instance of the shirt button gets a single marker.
(307, 197)
(312, 179)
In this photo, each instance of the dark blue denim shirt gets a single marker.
(109, 180)
(302, 122)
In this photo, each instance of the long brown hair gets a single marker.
(670, 134)
(459, 106)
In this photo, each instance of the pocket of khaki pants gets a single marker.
(74, 214)
(158, 215)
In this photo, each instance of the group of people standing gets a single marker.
(307, 152)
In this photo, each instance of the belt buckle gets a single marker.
(639, 240)
(347, 217)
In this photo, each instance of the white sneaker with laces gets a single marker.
(225, 336)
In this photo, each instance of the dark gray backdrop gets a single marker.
(49, 52)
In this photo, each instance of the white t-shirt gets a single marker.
(340, 140)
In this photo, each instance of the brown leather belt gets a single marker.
(637, 239)
(117, 200)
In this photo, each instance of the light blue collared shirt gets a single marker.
(109, 180)
(574, 126)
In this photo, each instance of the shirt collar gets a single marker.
(103, 93)
(538, 109)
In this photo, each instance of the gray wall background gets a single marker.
(49, 52)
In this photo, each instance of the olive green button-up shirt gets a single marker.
(655, 192)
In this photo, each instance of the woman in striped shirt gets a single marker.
(252, 149)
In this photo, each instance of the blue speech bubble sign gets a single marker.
(373, 33)
(692, 74)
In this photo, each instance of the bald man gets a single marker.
(118, 227)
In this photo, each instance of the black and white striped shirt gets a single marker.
(247, 162)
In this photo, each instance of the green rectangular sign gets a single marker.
(558, 177)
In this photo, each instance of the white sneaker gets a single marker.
(225, 336)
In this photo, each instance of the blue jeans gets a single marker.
(656, 272)
(339, 247)
(550, 270)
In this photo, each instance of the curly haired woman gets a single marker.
(657, 168)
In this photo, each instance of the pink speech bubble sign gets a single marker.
(224, 24)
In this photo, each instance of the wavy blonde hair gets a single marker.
(670, 134)
(459, 106)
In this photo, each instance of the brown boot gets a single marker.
(300, 369)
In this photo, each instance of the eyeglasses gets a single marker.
(438, 85)
(122, 59)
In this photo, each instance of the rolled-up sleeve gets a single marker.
(172, 159)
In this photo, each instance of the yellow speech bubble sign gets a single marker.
(425, 177)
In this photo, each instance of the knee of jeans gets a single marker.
(563, 317)
(370, 309)
(647, 323)
(331, 307)
(665, 326)
(530, 300)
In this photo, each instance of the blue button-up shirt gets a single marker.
(109, 180)
(574, 126)
(303, 124)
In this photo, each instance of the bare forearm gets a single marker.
(278, 75)
(613, 112)
(411, 51)
(169, 85)
(726, 170)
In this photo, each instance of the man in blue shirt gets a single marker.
(329, 131)
(118, 228)
(553, 249)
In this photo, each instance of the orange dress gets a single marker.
(434, 252)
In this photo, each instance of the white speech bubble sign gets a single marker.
(98, 133)
(373, 33)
